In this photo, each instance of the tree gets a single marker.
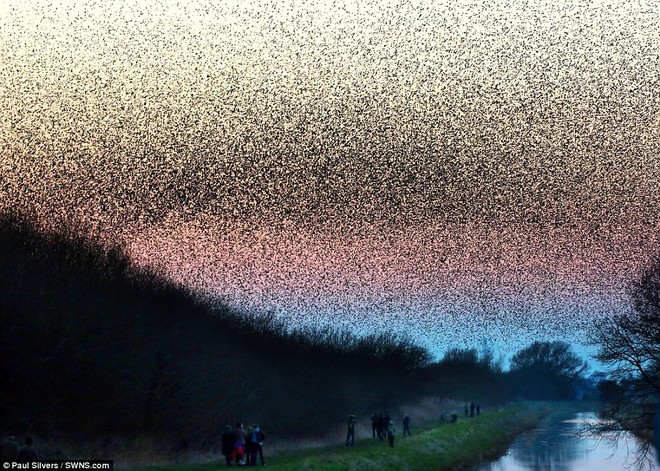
(469, 360)
(547, 370)
(629, 345)
(466, 373)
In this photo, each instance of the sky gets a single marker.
(468, 173)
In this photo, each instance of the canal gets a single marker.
(555, 446)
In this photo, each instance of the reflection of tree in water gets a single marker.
(563, 445)
(552, 446)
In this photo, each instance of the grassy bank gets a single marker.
(449, 446)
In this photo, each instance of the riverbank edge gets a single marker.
(457, 446)
(508, 424)
(558, 408)
(498, 449)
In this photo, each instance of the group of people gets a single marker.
(471, 408)
(10, 451)
(381, 426)
(380, 422)
(242, 446)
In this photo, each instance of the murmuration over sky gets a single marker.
(460, 171)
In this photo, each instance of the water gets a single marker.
(554, 446)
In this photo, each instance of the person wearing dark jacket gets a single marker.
(257, 438)
(250, 447)
(350, 432)
(381, 425)
(406, 425)
(374, 424)
(27, 453)
(228, 440)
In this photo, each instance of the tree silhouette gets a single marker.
(547, 370)
(629, 345)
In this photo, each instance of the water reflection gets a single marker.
(553, 446)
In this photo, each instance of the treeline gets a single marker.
(541, 371)
(92, 346)
(397, 350)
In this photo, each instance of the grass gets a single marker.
(432, 447)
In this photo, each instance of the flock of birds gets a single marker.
(453, 170)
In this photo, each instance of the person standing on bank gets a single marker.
(406, 425)
(250, 447)
(238, 454)
(350, 432)
(228, 440)
(260, 437)
(382, 425)
(390, 433)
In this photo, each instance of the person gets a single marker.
(228, 440)
(386, 422)
(381, 426)
(406, 425)
(478, 409)
(374, 424)
(390, 433)
(258, 438)
(454, 418)
(27, 453)
(238, 454)
(350, 433)
(472, 406)
(250, 447)
(466, 409)
(9, 449)
(443, 417)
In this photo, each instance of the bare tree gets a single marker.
(629, 345)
